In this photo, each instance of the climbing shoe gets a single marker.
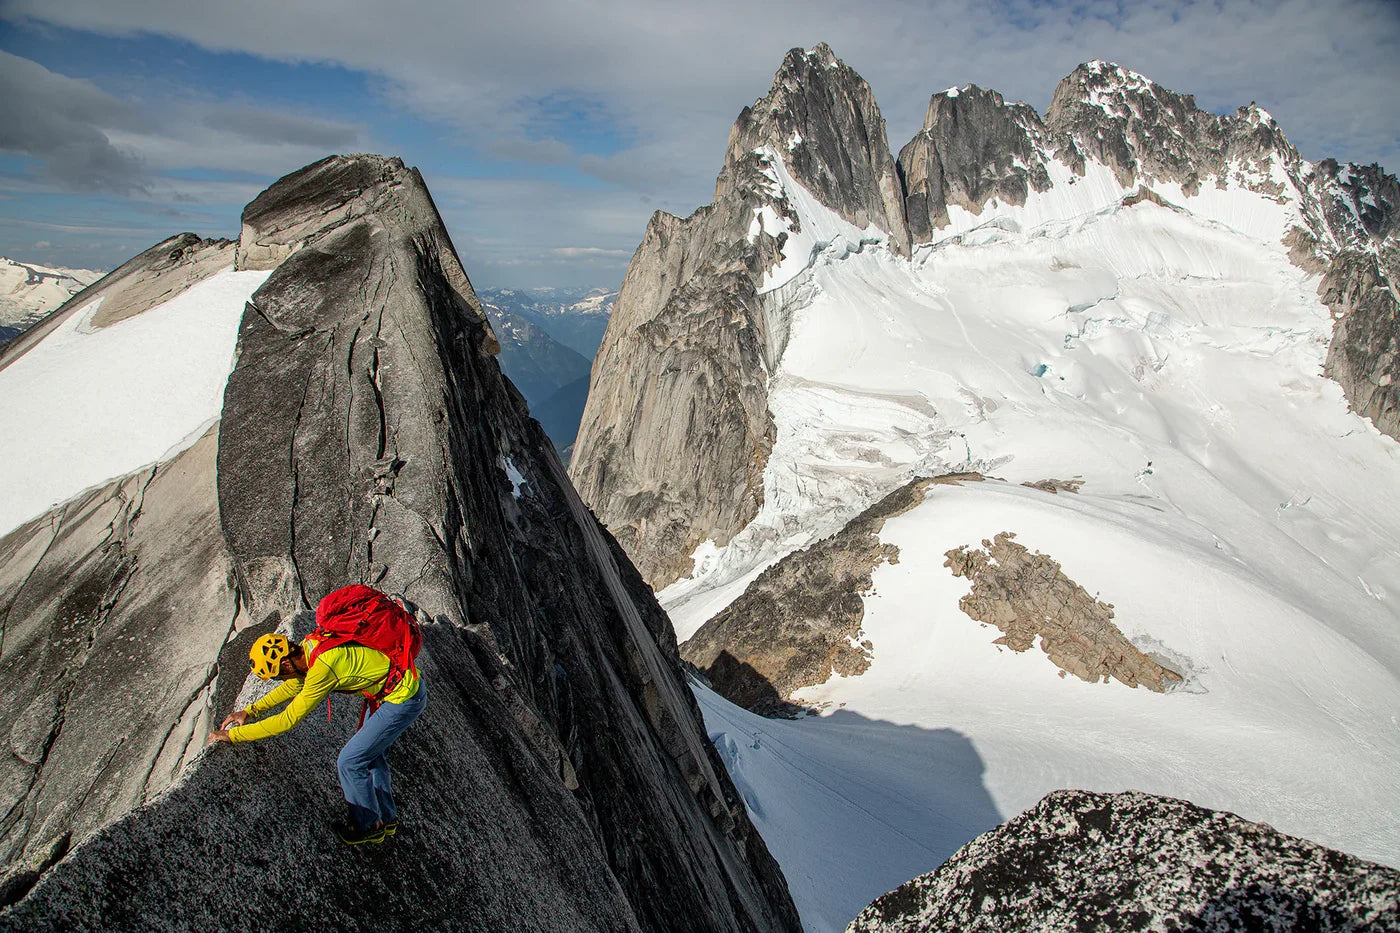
(353, 836)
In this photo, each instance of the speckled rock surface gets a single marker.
(676, 431)
(560, 777)
(1085, 862)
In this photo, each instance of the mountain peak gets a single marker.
(1112, 71)
(820, 117)
(821, 54)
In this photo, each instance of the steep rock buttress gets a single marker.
(560, 777)
(676, 431)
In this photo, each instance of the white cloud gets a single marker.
(665, 81)
(87, 139)
(676, 75)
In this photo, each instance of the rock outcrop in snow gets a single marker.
(1133, 861)
(676, 431)
(559, 778)
(1028, 597)
(973, 147)
(799, 622)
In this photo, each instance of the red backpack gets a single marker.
(358, 614)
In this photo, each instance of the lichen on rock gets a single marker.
(1081, 861)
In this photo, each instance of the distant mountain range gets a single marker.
(549, 337)
(28, 291)
(577, 317)
(1057, 451)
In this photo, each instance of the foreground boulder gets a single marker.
(1082, 861)
(559, 778)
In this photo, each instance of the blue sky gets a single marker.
(549, 131)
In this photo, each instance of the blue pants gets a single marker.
(363, 767)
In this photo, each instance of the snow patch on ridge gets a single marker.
(93, 404)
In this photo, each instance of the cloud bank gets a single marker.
(638, 97)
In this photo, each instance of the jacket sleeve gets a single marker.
(269, 701)
(320, 681)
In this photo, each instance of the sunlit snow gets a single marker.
(1234, 511)
(95, 403)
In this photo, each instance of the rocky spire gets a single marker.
(560, 777)
(974, 147)
(676, 432)
(821, 119)
(1142, 130)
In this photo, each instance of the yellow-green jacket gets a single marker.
(343, 669)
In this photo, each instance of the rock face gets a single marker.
(113, 585)
(800, 620)
(1145, 132)
(1028, 596)
(559, 777)
(1360, 286)
(1364, 355)
(676, 431)
(1081, 861)
(832, 138)
(974, 147)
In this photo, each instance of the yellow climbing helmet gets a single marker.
(267, 654)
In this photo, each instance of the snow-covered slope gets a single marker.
(94, 403)
(1234, 512)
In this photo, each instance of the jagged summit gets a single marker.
(1110, 311)
(807, 172)
(973, 147)
(820, 118)
(1139, 128)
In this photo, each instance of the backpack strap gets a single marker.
(325, 640)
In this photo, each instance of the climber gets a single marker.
(363, 643)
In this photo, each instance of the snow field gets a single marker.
(845, 803)
(1266, 727)
(1234, 512)
(93, 404)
